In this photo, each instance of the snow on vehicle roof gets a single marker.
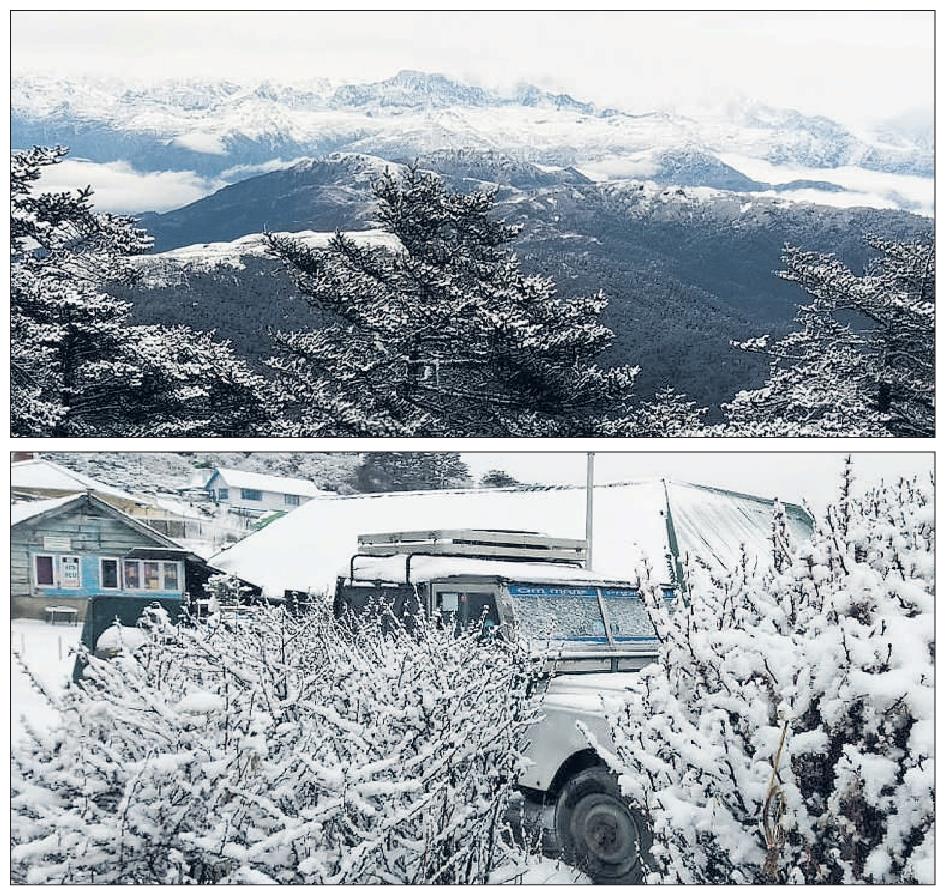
(41, 474)
(308, 548)
(427, 567)
(270, 483)
(20, 512)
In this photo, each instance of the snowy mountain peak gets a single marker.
(411, 89)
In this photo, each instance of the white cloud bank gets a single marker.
(204, 143)
(865, 188)
(119, 188)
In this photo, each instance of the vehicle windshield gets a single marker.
(572, 614)
(628, 619)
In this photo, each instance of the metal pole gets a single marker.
(589, 508)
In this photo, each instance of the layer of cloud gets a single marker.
(119, 188)
(245, 171)
(847, 64)
(204, 143)
(864, 188)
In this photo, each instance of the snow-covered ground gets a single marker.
(232, 253)
(542, 871)
(44, 649)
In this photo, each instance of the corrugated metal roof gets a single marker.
(309, 547)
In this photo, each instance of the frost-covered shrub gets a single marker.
(272, 747)
(832, 649)
(225, 589)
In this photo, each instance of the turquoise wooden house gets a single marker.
(65, 551)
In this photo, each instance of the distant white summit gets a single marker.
(213, 126)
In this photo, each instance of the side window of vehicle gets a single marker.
(468, 608)
(479, 606)
(448, 603)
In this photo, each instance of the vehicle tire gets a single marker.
(597, 831)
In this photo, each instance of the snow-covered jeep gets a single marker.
(593, 631)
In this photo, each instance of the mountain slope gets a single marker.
(685, 271)
(313, 194)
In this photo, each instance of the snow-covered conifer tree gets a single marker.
(78, 365)
(497, 478)
(445, 335)
(786, 732)
(669, 415)
(861, 362)
(383, 471)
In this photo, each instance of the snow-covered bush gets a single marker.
(261, 747)
(786, 733)
(225, 589)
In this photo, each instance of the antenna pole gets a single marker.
(589, 507)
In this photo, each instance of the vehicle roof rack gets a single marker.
(507, 545)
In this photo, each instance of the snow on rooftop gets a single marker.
(41, 474)
(23, 511)
(308, 548)
(20, 512)
(713, 524)
(271, 483)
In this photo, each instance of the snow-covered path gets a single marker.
(38, 645)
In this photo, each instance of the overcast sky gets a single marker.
(853, 66)
(793, 477)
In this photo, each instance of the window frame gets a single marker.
(162, 575)
(223, 494)
(258, 498)
(177, 576)
(144, 578)
(292, 499)
(119, 570)
(53, 564)
(125, 586)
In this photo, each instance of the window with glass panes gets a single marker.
(152, 576)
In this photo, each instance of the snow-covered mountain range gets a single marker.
(216, 126)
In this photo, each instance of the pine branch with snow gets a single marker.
(79, 367)
(861, 362)
(444, 335)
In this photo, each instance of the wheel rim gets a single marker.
(607, 831)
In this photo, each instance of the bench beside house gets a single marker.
(67, 550)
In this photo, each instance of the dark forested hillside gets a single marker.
(684, 274)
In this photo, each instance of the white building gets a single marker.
(650, 526)
(257, 493)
